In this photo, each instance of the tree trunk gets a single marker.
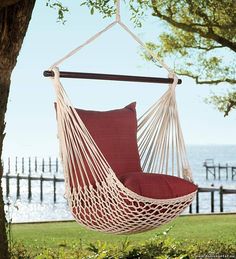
(14, 21)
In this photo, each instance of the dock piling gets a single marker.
(211, 169)
(221, 199)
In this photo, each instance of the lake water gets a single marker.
(23, 211)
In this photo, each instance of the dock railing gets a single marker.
(214, 169)
(221, 191)
(32, 169)
(40, 171)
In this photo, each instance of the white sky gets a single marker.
(31, 125)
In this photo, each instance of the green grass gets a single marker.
(191, 228)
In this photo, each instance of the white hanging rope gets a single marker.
(87, 42)
(118, 18)
(135, 37)
(152, 54)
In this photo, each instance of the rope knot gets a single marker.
(174, 77)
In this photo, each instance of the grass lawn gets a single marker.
(191, 228)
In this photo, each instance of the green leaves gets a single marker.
(225, 103)
(60, 8)
(201, 43)
(155, 248)
(202, 59)
(104, 7)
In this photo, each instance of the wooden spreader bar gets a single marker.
(112, 77)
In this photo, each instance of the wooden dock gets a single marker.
(41, 179)
(44, 170)
(221, 191)
(216, 170)
(30, 170)
(213, 192)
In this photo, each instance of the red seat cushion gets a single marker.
(157, 186)
(115, 133)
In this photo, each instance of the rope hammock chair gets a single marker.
(105, 156)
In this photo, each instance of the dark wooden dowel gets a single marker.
(112, 77)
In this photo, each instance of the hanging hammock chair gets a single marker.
(106, 156)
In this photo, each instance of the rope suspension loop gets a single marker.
(118, 18)
(87, 42)
(107, 28)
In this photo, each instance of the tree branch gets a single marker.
(204, 48)
(230, 106)
(201, 14)
(210, 34)
(211, 82)
(218, 81)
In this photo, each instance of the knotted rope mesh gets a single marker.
(108, 205)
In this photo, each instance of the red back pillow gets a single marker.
(115, 133)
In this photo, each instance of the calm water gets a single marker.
(21, 210)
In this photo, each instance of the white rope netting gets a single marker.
(108, 205)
